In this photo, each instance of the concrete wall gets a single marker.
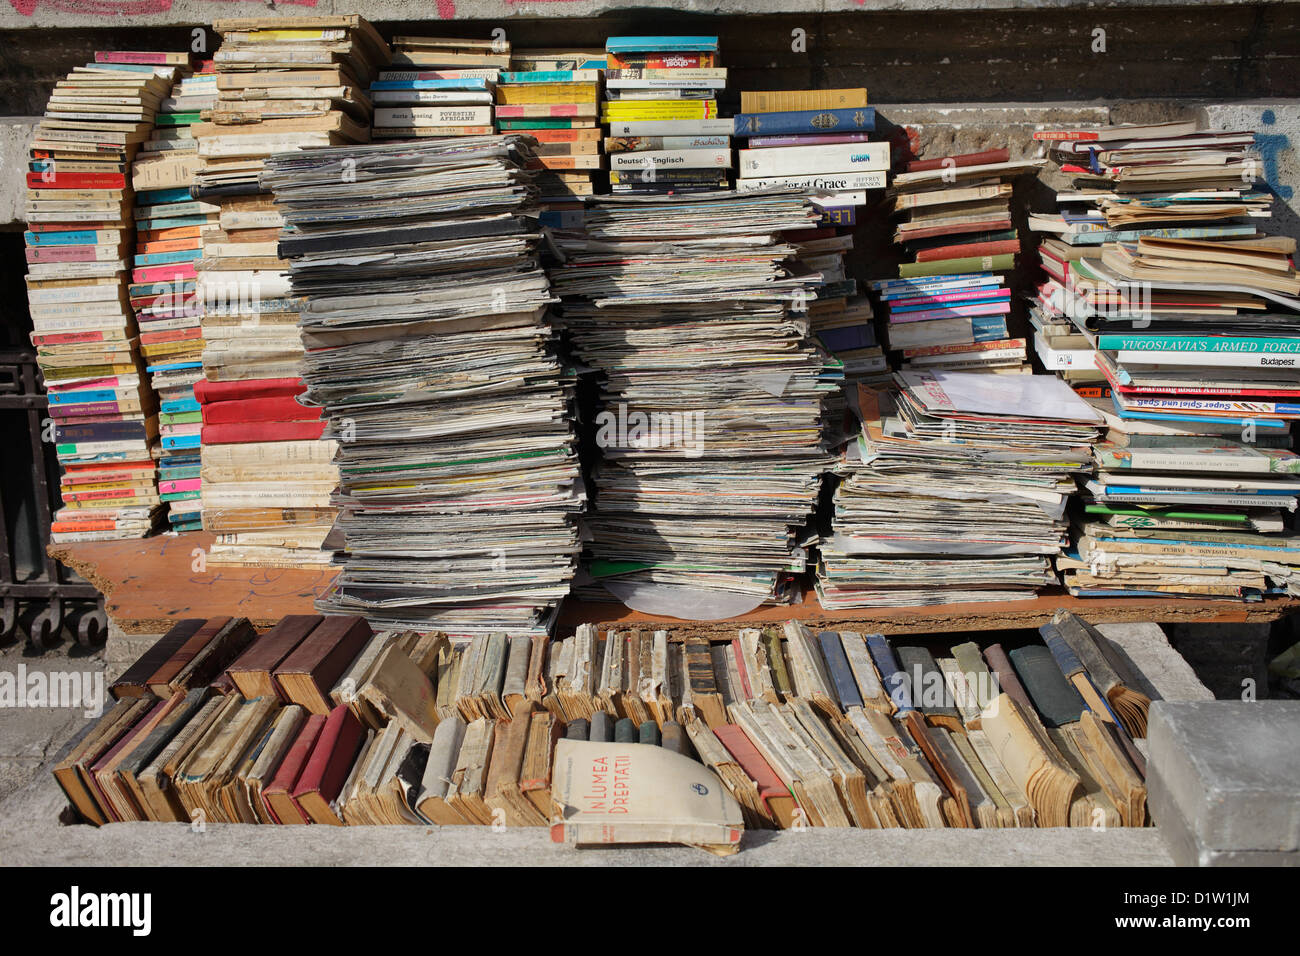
(81, 13)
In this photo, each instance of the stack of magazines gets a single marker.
(955, 490)
(427, 342)
(711, 398)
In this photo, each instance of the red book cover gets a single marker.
(282, 408)
(331, 759)
(261, 431)
(170, 335)
(982, 158)
(996, 248)
(207, 392)
(281, 790)
(752, 762)
(928, 232)
(77, 181)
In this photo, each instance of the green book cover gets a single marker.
(943, 267)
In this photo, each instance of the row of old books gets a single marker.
(320, 720)
(1157, 270)
(283, 84)
(424, 317)
(712, 394)
(80, 237)
(954, 489)
(950, 305)
(170, 229)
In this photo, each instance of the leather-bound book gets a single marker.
(438, 769)
(212, 659)
(135, 681)
(177, 716)
(929, 688)
(278, 798)
(252, 670)
(309, 673)
(328, 766)
(1056, 701)
(503, 792)
(704, 688)
(160, 680)
(71, 772)
(837, 665)
(891, 675)
(776, 802)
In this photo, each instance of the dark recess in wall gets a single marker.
(1196, 51)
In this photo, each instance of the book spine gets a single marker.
(952, 266)
(825, 182)
(1002, 247)
(805, 121)
(805, 160)
(812, 139)
(684, 158)
(950, 312)
(1205, 346)
(1217, 359)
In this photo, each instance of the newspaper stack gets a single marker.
(711, 396)
(428, 345)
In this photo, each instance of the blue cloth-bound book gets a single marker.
(676, 44)
(858, 119)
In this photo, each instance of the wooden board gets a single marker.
(149, 582)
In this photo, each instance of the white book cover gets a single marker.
(671, 158)
(804, 160)
(449, 97)
(1153, 359)
(826, 182)
(434, 116)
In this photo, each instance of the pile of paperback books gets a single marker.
(1192, 316)
(170, 227)
(78, 240)
(711, 395)
(424, 320)
(438, 87)
(955, 490)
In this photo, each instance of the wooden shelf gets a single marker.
(149, 582)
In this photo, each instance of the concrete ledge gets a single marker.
(242, 845)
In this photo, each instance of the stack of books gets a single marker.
(323, 721)
(79, 238)
(949, 307)
(428, 346)
(665, 132)
(711, 398)
(1192, 317)
(814, 140)
(170, 228)
(438, 87)
(554, 97)
(283, 84)
(954, 491)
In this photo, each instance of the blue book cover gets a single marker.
(170, 222)
(173, 367)
(177, 405)
(155, 197)
(547, 76)
(163, 258)
(129, 67)
(856, 119)
(470, 83)
(666, 44)
(181, 441)
(838, 216)
(852, 337)
(76, 238)
(893, 286)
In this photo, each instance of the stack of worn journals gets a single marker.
(323, 721)
(1192, 316)
(955, 490)
(428, 346)
(712, 395)
(554, 97)
(673, 81)
(949, 306)
(79, 238)
(283, 84)
(438, 87)
(170, 228)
